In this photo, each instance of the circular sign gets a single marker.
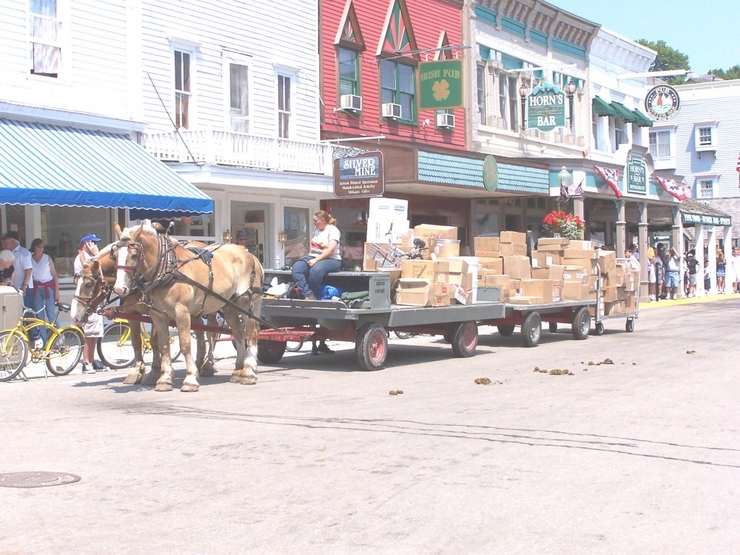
(490, 173)
(662, 102)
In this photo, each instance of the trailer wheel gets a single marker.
(630, 325)
(599, 328)
(270, 352)
(553, 326)
(371, 346)
(581, 323)
(505, 330)
(531, 329)
(465, 339)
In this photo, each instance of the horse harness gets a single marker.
(167, 271)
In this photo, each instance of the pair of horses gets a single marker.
(175, 283)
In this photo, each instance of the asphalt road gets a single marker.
(641, 456)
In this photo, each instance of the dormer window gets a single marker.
(705, 137)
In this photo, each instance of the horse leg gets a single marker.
(243, 372)
(206, 361)
(152, 377)
(159, 326)
(136, 374)
(182, 319)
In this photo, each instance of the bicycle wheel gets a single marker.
(115, 348)
(65, 352)
(13, 355)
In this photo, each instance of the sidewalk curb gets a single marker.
(646, 304)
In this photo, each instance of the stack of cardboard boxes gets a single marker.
(619, 285)
(559, 270)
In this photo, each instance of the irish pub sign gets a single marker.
(440, 85)
(545, 108)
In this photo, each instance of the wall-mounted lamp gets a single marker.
(523, 94)
(570, 90)
(226, 236)
(283, 237)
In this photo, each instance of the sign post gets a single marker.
(359, 176)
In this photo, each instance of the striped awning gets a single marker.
(63, 166)
(602, 107)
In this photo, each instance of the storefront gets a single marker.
(59, 183)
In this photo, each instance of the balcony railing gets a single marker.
(241, 150)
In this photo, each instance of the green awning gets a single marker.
(642, 119)
(623, 112)
(602, 108)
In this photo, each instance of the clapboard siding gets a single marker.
(94, 60)
(283, 32)
(710, 103)
(428, 18)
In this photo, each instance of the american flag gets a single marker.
(579, 190)
(611, 177)
(671, 187)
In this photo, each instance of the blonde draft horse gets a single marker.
(179, 284)
(93, 282)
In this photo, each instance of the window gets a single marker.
(182, 90)
(398, 85)
(239, 97)
(44, 38)
(284, 106)
(705, 188)
(705, 136)
(349, 81)
(616, 133)
(481, 83)
(660, 145)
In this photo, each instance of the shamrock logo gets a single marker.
(441, 90)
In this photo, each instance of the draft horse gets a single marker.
(178, 284)
(94, 285)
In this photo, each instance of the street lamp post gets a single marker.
(523, 95)
(570, 89)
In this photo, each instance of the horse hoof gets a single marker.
(207, 371)
(244, 380)
(132, 378)
(189, 388)
(163, 387)
(149, 379)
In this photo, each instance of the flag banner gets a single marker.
(611, 177)
(738, 163)
(579, 190)
(671, 187)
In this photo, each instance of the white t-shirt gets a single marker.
(320, 241)
(22, 262)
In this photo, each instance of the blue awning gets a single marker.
(63, 166)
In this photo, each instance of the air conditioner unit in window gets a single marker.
(446, 121)
(350, 102)
(391, 110)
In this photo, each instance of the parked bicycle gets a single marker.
(61, 352)
(116, 349)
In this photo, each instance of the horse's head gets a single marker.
(89, 291)
(135, 249)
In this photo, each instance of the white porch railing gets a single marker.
(239, 149)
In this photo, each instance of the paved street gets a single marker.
(641, 456)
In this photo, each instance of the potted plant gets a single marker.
(560, 224)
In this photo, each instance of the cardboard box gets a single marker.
(609, 294)
(631, 280)
(442, 294)
(512, 249)
(553, 272)
(560, 242)
(492, 264)
(432, 270)
(497, 280)
(486, 243)
(414, 292)
(525, 300)
(446, 248)
(541, 288)
(579, 253)
(607, 261)
(575, 291)
(437, 231)
(577, 274)
(513, 237)
(580, 244)
(545, 258)
(619, 274)
(630, 303)
(517, 267)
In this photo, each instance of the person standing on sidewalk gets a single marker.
(45, 284)
(22, 275)
(735, 264)
(673, 271)
(721, 272)
(692, 264)
(93, 328)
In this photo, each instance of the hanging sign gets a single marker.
(359, 176)
(545, 108)
(662, 102)
(636, 175)
(440, 85)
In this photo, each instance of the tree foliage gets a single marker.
(667, 58)
(732, 73)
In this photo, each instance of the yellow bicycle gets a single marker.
(61, 352)
(116, 350)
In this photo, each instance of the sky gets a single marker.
(708, 31)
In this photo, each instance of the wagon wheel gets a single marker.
(371, 346)
(531, 329)
(270, 352)
(553, 327)
(465, 339)
(599, 328)
(581, 323)
(505, 330)
(630, 325)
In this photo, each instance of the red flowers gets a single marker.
(558, 222)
